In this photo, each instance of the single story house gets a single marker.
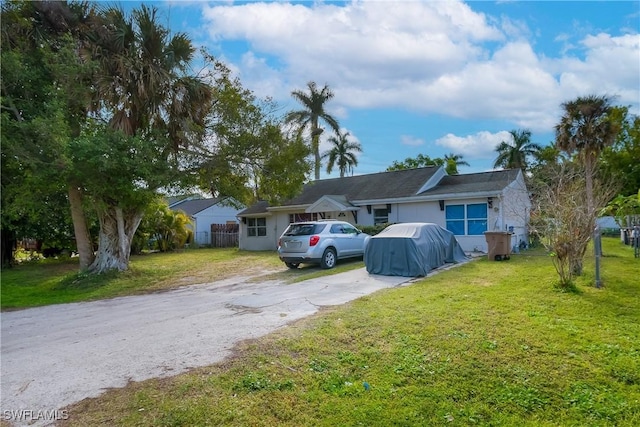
(204, 213)
(468, 205)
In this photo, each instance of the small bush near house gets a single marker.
(373, 229)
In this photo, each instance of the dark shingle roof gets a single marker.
(192, 207)
(474, 182)
(383, 185)
(258, 208)
(396, 184)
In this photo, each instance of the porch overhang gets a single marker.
(330, 203)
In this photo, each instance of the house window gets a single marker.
(455, 219)
(468, 219)
(380, 216)
(256, 227)
(476, 219)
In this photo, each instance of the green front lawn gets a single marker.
(487, 343)
(53, 281)
(57, 281)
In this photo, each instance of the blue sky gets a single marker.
(426, 77)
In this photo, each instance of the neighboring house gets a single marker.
(468, 205)
(608, 223)
(204, 212)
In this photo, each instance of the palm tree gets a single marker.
(342, 154)
(142, 81)
(513, 154)
(313, 111)
(585, 129)
(452, 161)
(143, 88)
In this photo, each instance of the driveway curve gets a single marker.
(57, 355)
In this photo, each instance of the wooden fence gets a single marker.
(224, 235)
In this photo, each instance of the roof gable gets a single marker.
(483, 182)
(331, 203)
(193, 207)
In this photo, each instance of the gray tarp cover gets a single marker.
(411, 249)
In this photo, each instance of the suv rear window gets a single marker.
(304, 229)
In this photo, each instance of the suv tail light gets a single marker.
(313, 240)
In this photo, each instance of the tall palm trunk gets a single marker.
(117, 228)
(589, 172)
(80, 228)
(315, 146)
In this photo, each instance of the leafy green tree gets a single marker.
(514, 154)
(419, 161)
(625, 209)
(169, 230)
(246, 154)
(283, 169)
(130, 76)
(342, 154)
(452, 161)
(45, 94)
(154, 108)
(313, 111)
(621, 160)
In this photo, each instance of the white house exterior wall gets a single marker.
(216, 214)
(259, 243)
(516, 207)
(420, 212)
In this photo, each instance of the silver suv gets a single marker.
(320, 242)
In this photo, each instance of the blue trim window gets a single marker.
(476, 219)
(455, 219)
(466, 219)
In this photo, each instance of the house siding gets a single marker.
(516, 210)
(215, 214)
(260, 243)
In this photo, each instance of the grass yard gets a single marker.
(57, 281)
(487, 343)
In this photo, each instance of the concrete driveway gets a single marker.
(57, 355)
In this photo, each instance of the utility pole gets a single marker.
(597, 247)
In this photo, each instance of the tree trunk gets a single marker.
(9, 241)
(576, 266)
(315, 146)
(117, 228)
(589, 166)
(81, 231)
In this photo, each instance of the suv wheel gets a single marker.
(292, 265)
(328, 258)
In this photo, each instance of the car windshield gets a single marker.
(304, 229)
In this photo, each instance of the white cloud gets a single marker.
(366, 44)
(411, 141)
(431, 57)
(481, 145)
(612, 66)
